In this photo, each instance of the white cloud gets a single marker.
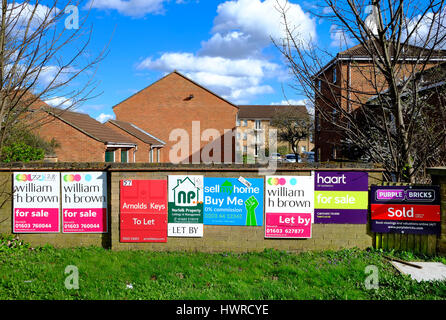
(231, 62)
(261, 19)
(339, 38)
(255, 22)
(132, 8)
(290, 102)
(189, 62)
(423, 31)
(231, 45)
(59, 102)
(233, 79)
(104, 117)
(19, 15)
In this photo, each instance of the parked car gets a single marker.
(276, 157)
(308, 157)
(291, 157)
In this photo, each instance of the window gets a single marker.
(334, 75)
(237, 122)
(245, 135)
(303, 148)
(245, 149)
(258, 124)
(124, 155)
(109, 155)
(151, 155)
(245, 123)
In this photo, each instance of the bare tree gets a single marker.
(44, 56)
(293, 126)
(379, 103)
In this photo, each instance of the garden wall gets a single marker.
(216, 238)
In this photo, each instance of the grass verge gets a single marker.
(39, 274)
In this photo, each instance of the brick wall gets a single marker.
(215, 239)
(164, 106)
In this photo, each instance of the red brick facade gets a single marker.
(174, 102)
(356, 82)
(74, 145)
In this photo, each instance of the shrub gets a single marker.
(20, 151)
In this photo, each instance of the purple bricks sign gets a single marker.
(405, 209)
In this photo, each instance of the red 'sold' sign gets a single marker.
(143, 215)
(409, 212)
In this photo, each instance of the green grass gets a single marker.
(38, 273)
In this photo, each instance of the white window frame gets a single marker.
(258, 124)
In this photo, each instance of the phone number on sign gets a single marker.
(288, 231)
(83, 226)
(33, 225)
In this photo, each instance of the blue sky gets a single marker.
(223, 45)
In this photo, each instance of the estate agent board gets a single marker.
(341, 197)
(84, 202)
(228, 201)
(405, 209)
(185, 208)
(289, 206)
(143, 211)
(36, 202)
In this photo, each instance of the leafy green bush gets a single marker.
(20, 151)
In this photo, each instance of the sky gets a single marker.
(223, 45)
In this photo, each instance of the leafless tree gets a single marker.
(393, 113)
(44, 56)
(293, 126)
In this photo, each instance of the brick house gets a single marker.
(351, 79)
(254, 121)
(189, 118)
(148, 148)
(82, 138)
